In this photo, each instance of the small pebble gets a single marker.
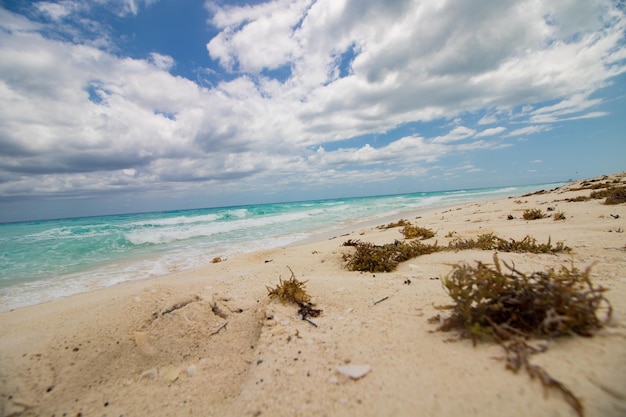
(354, 371)
(170, 373)
(192, 370)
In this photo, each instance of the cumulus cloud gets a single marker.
(253, 38)
(76, 117)
(420, 61)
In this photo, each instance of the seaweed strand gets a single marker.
(507, 306)
(293, 291)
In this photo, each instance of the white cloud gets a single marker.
(162, 62)
(456, 134)
(12, 22)
(490, 132)
(57, 11)
(529, 130)
(74, 116)
(406, 150)
(124, 7)
(406, 156)
(256, 37)
(419, 61)
(566, 109)
(64, 9)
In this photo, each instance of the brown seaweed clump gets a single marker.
(401, 222)
(293, 291)
(578, 199)
(612, 193)
(508, 306)
(384, 258)
(494, 303)
(411, 231)
(533, 214)
(370, 257)
(616, 196)
(489, 241)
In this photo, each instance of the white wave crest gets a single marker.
(172, 221)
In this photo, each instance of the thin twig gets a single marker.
(219, 330)
(381, 300)
(309, 321)
(179, 305)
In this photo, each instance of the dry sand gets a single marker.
(209, 342)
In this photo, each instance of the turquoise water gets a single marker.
(45, 260)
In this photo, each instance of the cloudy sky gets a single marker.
(112, 106)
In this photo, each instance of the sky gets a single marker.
(117, 106)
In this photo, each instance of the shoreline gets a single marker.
(413, 214)
(160, 261)
(208, 341)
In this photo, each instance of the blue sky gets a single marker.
(113, 106)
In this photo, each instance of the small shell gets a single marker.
(354, 371)
(170, 373)
(150, 373)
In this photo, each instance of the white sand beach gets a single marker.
(210, 342)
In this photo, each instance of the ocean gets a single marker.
(46, 260)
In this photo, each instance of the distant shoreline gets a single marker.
(58, 258)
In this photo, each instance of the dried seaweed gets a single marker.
(517, 357)
(308, 310)
(602, 193)
(540, 192)
(533, 214)
(385, 258)
(529, 244)
(609, 191)
(401, 222)
(577, 199)
(484, 242)
(293, 291)
(411, 231)
(489, 241)
(493, 303)
(591, 185)
(559, 215)
(616, 196)
(509, 307)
